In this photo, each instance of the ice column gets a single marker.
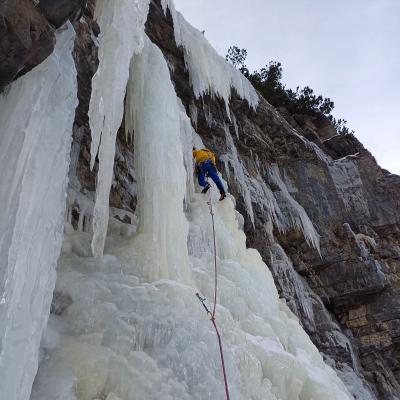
(36, 118)
(154, 115)
(122, 25)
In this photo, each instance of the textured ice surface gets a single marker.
(283, 268)
(209, 72)
(241, 175)
(294, 212)
(142, 340)
(354, 384)
(122, 24)
(158, 159)
(36, 117)
(313, 309)
(252, 189)
(134, 328)
(283, 210)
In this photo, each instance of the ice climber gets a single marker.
(205, 166)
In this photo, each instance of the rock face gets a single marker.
(344, 291)
(83, 180)
(59, 11)
(26, 39)
(27, 32)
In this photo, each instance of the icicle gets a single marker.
(36, 118)
(284, 269)
(241, 175)
(253, 189)
(122, 26)
(262, 195)
(159, 167)
(209, 72)
(297, 217)
(194, 114)
(235, 125)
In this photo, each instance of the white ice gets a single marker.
(241, 175)
(134, 328)
(122, 24)
(294, 212)
(253, 189)
(162, 225)
(282, 210)
(209, 72)
(36, 117)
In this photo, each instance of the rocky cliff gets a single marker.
(337, 263)
(350, 288)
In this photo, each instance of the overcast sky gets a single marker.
(348, 50)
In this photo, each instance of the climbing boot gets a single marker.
(206, 188)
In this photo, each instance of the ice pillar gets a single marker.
(36, 118)
(154, 115)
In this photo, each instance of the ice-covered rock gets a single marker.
(295, 214)
(36, 117)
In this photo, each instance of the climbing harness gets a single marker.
(211, 315)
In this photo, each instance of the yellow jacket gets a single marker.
(203, 155)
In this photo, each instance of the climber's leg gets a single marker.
(201, 175)
(213, 174)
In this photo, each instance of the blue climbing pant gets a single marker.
(207, 167)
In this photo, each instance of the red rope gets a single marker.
(222, 358)
(215, 260)
(212, 314)
(221, 353)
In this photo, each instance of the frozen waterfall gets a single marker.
(133, 328)
(126, 324)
